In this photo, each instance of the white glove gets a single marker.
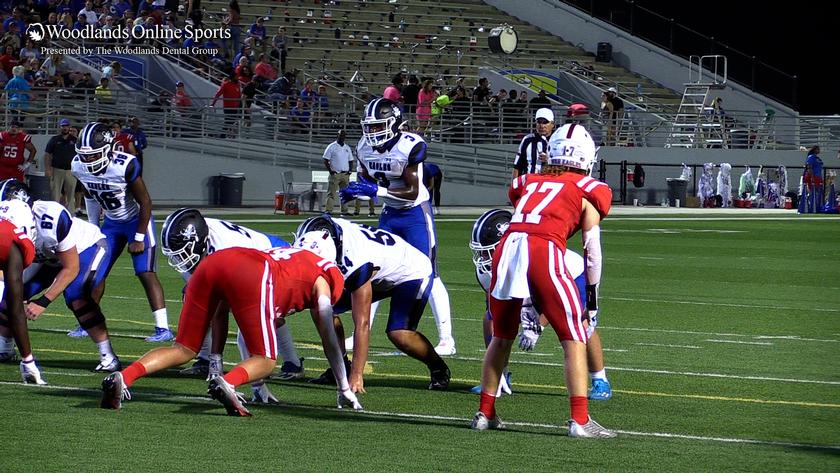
(531, 328)
(23, 167)
(262, 395)
(347, 398)
(592, 315)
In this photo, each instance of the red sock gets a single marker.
(580, 410)
(132, 373)
(487, 405)
(237, 376)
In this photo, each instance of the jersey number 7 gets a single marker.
(532, 215)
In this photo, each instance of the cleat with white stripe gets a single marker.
(591, 429)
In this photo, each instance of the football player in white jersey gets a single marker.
(113, 179)
(70, 258)
(377, 264)
(486, 233)
(391, 168)
(187, 237)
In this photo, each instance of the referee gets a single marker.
(533, 151)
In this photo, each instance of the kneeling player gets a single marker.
(376, 265)
(186, 239)
(71, 258)
(259, 287)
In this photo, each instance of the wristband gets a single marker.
(591, 296)
(381, 191)
(139, 237)
(42, 301)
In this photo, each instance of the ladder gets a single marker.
(696, 124)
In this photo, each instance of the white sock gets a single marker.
(599, 375)
(204, 353)
(373, 308)
(287, 346)
(105, 350)
(161, 320)
(439, 300)
(240, 343)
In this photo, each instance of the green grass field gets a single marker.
(722, 339)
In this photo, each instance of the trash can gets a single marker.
(230, 189)
(677, 191)
(39, 187)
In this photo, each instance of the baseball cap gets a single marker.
(613, 90)
(545, 113)
(64, 122)
(179, 84)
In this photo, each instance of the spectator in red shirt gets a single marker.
(8, 60)
(12, 163)
(231, 94)
(243, 71)
(181, 100)
(123, 141)
(264, 72)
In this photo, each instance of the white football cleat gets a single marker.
(31, 373)
(481, 422)
(108, 366)
(446, 347)
(348, 399)
(591, 429)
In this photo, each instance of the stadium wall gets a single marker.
(184, 178)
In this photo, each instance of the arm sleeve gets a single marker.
(132, 171)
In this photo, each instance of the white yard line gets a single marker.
(459, 421)
(739, 342)
(667, 346)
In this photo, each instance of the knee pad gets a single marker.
(89, 315)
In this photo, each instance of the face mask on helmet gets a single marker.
(94, 147)
(381, 123)
(571, 146)
(95, 161)
(487, 231)
(12, 189)
(185, 259)
(319, 242)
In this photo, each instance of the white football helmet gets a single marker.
(571, 146)
(319, 242)
(20, 214)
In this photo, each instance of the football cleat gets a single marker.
(328, 378)
(262, 395)
(446, 347)
(161, 335)
(601, 390)
(440, 379)
(222, 391)
(290, 371)
(78, 332)
(108, 366)
(348, 399)
(7, 350)
(114, 391)
(481, 422)
(201, 367)
(31, 373)
(591, 429)
(215, 367)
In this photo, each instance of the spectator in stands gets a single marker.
(31, 69)
(193, 12)
(50, 67)
(89, 12)
(81, 22)
(308, 94)
(409, 94)
(337, 158)
(540, 101)
(8, 60)
(231, 22)
(614, 108)
(52, 20)
(257, 33)
(122, 140)
(11, 38)
(103, 91)
(16, 19)
(278, 51)
(60, 151)
(112, 70)
(533, 150)
(30, 51)
(244, 52)
(497, 100)
(281, 90)
(181, 101)
(322, 101)
(120, 7)
(14, 142)
(264, 72)
(243, 71)
(481, 94)
(300, 116)
(17, 93)
(140, 141)
(66, 21)
(394, 91)
(231, 94)
(425, 98)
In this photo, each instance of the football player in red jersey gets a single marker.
(259, 287)
(13, 165)
(550, 207)
(122, 141)
(17, 251)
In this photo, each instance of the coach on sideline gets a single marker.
(533, 150)
(337, 158)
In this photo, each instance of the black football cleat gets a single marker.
(440, 379)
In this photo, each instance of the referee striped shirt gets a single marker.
(527, 159)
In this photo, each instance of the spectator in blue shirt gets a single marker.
(17, 91)
(257, 31)
(300, 115)
(119, 7)
(16, 18)
(81, 22)
(140, 142)
(245, 51)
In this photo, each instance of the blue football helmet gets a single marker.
(12, 189)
